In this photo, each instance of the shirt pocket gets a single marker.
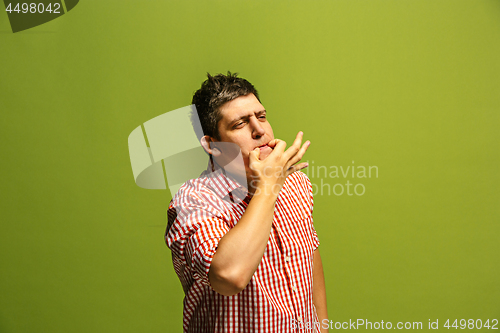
(298, 239)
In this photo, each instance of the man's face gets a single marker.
(244, 123)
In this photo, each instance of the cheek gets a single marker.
(269, 130)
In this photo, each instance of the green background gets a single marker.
(412, 87)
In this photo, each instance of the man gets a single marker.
(242, 238)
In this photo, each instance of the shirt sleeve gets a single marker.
(193, 234)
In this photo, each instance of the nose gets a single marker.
(257, 129)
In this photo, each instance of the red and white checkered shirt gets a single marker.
(278, 297)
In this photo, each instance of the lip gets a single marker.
(264, 146)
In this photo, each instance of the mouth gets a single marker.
(264, 146)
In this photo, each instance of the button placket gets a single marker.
(288, 266)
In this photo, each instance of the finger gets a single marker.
(296, 167)
(254, 155)
(279, 147)
(298, 156)
(273, 143)
(295, 147)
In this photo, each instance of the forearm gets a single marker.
(319, 290)
(240, 251)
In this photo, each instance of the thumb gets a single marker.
(255, 153)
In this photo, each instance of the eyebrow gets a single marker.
(258, 113)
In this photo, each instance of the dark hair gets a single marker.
(214, 92)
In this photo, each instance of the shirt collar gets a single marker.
(224, 186)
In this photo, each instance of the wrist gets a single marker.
(269, 191)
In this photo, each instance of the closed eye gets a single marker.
(239, 124)
(261, 114)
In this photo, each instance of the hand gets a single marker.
(270, 174)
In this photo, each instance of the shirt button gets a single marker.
(299, 319)
(287, 259)
(294, 288)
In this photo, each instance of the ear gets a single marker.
(207, 143)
